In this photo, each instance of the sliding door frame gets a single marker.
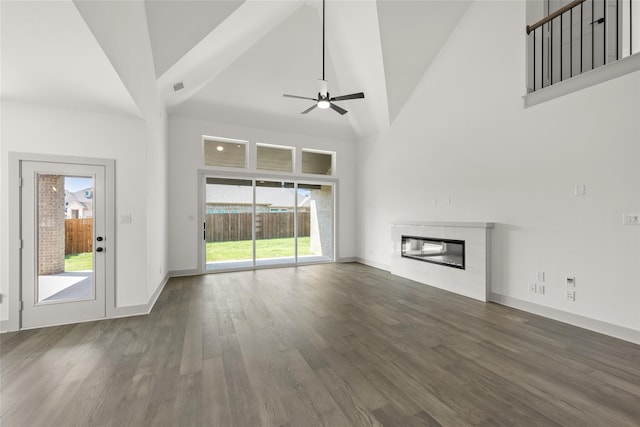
(202, 176)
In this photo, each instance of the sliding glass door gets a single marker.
(228, 223)
(275, 223)
(256, 223)
(315, 222)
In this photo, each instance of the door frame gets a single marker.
(14, 321)
(248, 175)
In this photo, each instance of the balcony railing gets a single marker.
(579, 37)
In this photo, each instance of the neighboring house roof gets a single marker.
(241, 195)
(79, 198)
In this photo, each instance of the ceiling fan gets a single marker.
(324, 100)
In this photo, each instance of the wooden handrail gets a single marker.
(554, 15)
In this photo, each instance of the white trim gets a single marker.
(13, 299)
(13, 323)
(203, 174)
(594, 325)
(346, 260)
(593, 77)
(247, 148)
(184, 273)
(374, 264)
(465, 224)
(4, 326)
(141, 309)
(279, 147)
(333, 154)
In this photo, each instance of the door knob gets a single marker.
(99, 238)
(99, 249)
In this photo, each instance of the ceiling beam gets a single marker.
(227, 42)
(354, 44)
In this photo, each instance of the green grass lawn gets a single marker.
(269, 248)
(217, 251)
(78, 262)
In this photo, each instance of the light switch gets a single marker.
(125, 219)
(581, 190)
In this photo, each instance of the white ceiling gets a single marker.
(235, 57)
(49, 56)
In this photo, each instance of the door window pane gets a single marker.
(274, 158)
(274, 224)
(223, 153)
(228, 223)
(317, 163)
(315, 222)
(65, 238)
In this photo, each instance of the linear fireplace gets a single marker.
(435, 250)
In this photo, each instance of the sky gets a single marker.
(75, 183)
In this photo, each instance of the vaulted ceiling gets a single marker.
(235, 58)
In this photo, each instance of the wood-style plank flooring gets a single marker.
(330, 345)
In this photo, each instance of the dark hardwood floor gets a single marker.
(332, 345)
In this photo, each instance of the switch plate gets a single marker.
(532, 287)
(541, 289)
(571, 282)
(540, 276)
(581, 190)
(571, 295)
(125, 219)
(631, 219)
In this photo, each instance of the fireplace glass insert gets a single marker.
(438, 251)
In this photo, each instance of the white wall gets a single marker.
(129, 52)
(464, 135)
(185, 159)
(157, 221)
(58, 131)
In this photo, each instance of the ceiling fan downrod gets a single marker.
(324, 100)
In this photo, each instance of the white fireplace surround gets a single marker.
(474, 281)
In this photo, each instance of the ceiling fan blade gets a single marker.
(345, 97)
(338, 109)
(309, 109)
(299, 97)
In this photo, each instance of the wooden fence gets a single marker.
(228, 227)
(78, 235)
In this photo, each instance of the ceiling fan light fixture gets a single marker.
(323, 103)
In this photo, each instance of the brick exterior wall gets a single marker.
(50, 224)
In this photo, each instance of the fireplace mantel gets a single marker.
(462, 224)
(473, 281)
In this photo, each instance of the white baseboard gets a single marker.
(621, 332)
(4, 326)
(137, 310)
(183, 273)
(347, 259)
(373, 264)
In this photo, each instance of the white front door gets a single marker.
(63, 208)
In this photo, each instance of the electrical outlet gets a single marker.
(571, 282)
(541, 289)
(571, 295)
(532, 287)
(631, 219)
